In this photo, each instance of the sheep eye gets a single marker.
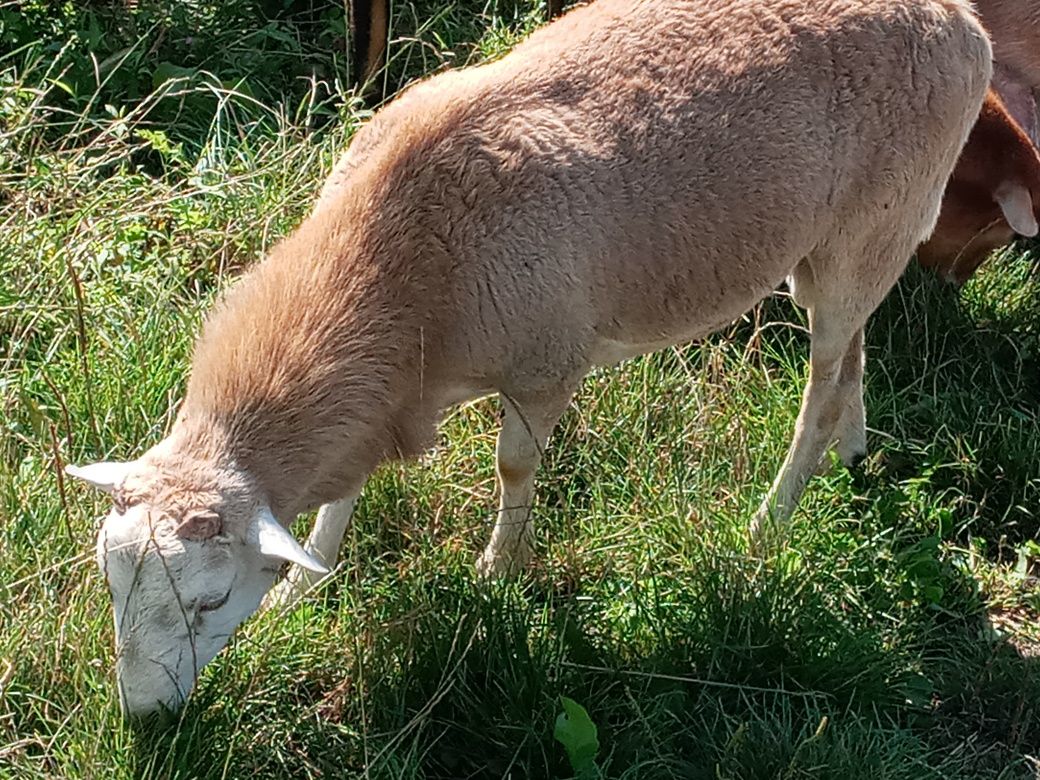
(209, 606)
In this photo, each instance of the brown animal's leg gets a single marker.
(526, 425)
(370, 25)
(555, 8)
(323, 543)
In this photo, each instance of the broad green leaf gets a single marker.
(578, 735)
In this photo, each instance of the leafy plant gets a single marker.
(579, 737)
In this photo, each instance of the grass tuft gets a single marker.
(895, 635)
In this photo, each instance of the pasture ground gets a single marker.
(896, 635)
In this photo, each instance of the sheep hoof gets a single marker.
(287, 593)
(494, 564)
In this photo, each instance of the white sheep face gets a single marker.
(180, 588)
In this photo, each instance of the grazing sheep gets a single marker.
(637, 174)
(1014, 27)
(987, 199)
(993, 194)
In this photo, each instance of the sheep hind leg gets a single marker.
(832, 403)
(821, 410)
(850, 434)
(526, 426)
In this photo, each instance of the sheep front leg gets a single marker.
(323, 543)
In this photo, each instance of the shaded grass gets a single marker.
(894, 636)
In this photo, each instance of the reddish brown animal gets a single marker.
(1001, 152)
(1014, 27)
(993, 195)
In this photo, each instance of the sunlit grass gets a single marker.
(894, 636)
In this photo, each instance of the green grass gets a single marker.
(896, 635)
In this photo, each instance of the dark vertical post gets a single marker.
(370, 28)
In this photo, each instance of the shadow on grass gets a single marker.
(953, 395)
(736, 672)
(956, 383)
(863, 650)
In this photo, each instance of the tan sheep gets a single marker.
(637, 174)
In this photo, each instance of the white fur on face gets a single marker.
(175, 601)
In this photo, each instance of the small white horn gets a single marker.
(273, 540)
(107, 475)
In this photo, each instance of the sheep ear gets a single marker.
(1017, 204)
(107, 475)
(274, 541)
(199, 526)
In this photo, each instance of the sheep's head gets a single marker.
(188, 552)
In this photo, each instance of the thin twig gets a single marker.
(81, 327)
(6, 675)
(66, 417)
(696, 681)
(60, 474)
